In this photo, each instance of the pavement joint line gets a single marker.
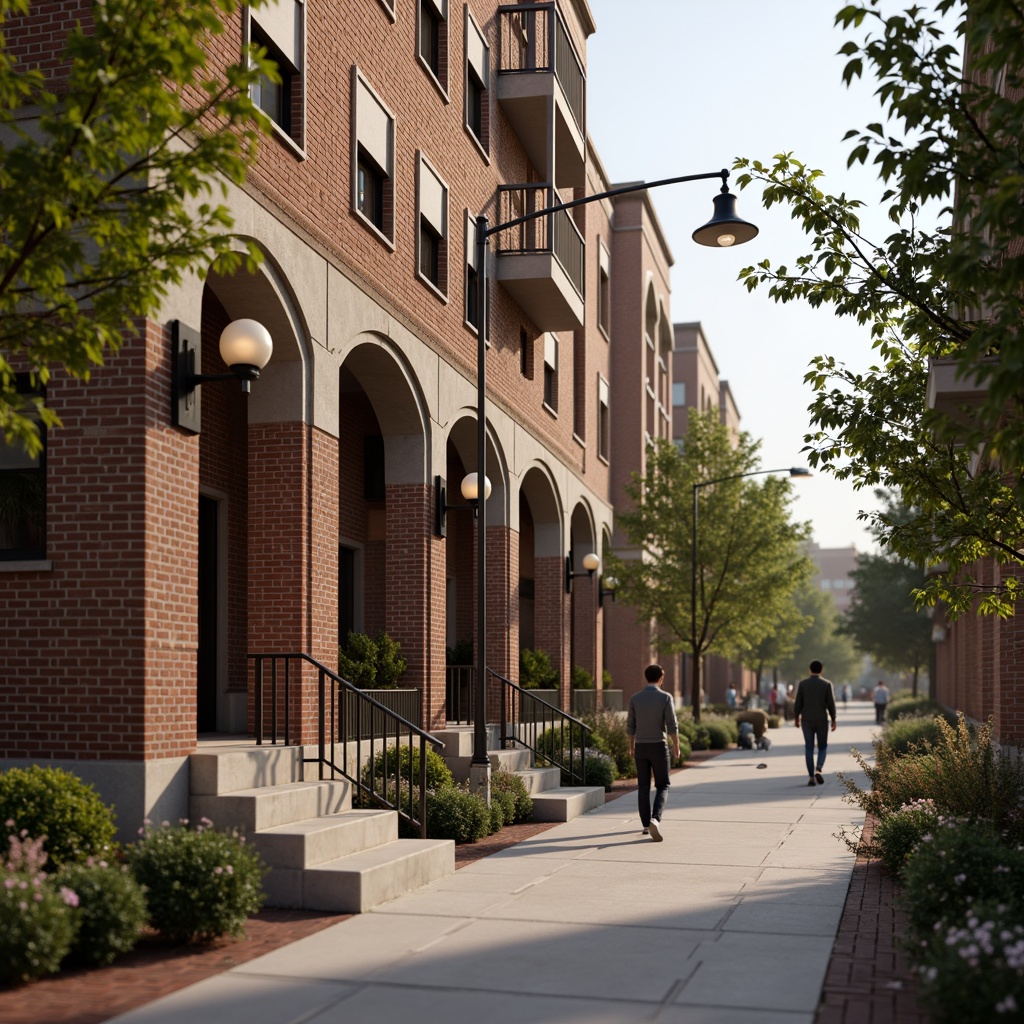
(448, 933)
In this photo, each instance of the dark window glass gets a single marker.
(22, 498)
(430, 249)
(475, 106)
(430, 37)
(370, 191)
(472, 297)
(373, 467)
(273, 98)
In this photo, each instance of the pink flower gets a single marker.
(69, 896)
(38, 897)
(230, 870)
(218, 870)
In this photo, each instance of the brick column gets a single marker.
(502, 611)
(552, 618)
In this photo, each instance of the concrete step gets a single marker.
(540, 780)
(214, 770)
(267, 806)
(305, 844)
(566, 803)
(354, 884)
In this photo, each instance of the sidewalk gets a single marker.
(731, 920)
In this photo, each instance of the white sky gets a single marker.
(684, 86)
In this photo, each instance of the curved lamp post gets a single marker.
(723, 230)
(695, 686)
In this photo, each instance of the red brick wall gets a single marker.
(552, 621)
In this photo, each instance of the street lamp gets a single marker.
(695, 683)
(723, 230)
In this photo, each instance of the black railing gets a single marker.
(550, 734)
(458, 694)
(380, 766)
(533, 38)
(555, 232)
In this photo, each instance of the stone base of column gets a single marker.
(480, 780)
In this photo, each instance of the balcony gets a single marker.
(540, 262)
(540, 77)
(952, 392)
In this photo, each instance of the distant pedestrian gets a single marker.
(730, 697)
(773, 699)
(815, 705)
(845, 691)
(651, 715)
(881, 701)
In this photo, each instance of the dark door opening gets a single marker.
(206, 653)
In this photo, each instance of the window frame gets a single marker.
(363, 152)
(604, 433)
(290, 128)
(475, 42)
(551, 372)
(436, 13)
(604, 291)
(435, 223)
(34, 554)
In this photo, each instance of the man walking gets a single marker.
(815, 705)
(881, 702)
(651, 715)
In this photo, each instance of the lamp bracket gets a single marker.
(442, 508)
(186, 355)
(570, 575)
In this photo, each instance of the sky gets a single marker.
(685, 86)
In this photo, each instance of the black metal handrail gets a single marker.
(459, 693)
(389, 784)
(526, 720)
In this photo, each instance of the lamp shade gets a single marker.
(591, 562)
(246, 343)
(611, 583)
(471, 490)
(725, 228)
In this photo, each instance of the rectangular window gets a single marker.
(603, 430)
(279, 27)
(478, 77)
(22, 497)
(551, 372)
(472, 276)
(525, 354)
(678, 394)
(373, 155)
(432, 200)
(604, 291)
(433, 40)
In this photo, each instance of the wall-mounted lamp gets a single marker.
(591, 563)
(470, 491)
(606, 587)
(245, 346)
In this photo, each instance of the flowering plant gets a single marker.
(36, 928)
(199, 883)
(897, 834)
(973, 972)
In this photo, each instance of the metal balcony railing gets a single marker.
(555, 233)
(533, 39)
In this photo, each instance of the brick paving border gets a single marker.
(869, 980)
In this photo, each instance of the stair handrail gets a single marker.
(331, 723)
(516, 729)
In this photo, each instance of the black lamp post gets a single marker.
(723, 230)
(695, 680)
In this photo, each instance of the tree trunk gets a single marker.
(916, 670)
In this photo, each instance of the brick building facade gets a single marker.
(307, 508)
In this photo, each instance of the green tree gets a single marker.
(884, 620)
(109, 177)
(748, 556)
(951, 293)
(781, 643)
(820, 639)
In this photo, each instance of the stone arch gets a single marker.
(583, 591)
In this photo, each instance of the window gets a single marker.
(22, 497)
(551, 372)
(603, 435)
(373, 173)
(525, 354)
(433, 40)
(278, 26)
(678, 394)
(604, 291)
(478, 76)
(432, 199)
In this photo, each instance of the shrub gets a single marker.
(597, 769)
(368, 661)
(111, 911)
(718, 708)
(453, 812)
(506, 785)
(773, 721)
(684, 752)
(200, 883)
(581, 678)
(36, 925)
(897, 834)
(960, 864)
(536, 671)
(688, 728)
(61, 809)
(392, 762)
(606, 680)
(608, 734)
(905, 734)
(907, 705)
(972, 973)
(722, 731)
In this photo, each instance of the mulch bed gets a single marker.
(869, 979)
(864, 961)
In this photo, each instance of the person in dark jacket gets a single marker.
(815, 705)
(652, 715)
